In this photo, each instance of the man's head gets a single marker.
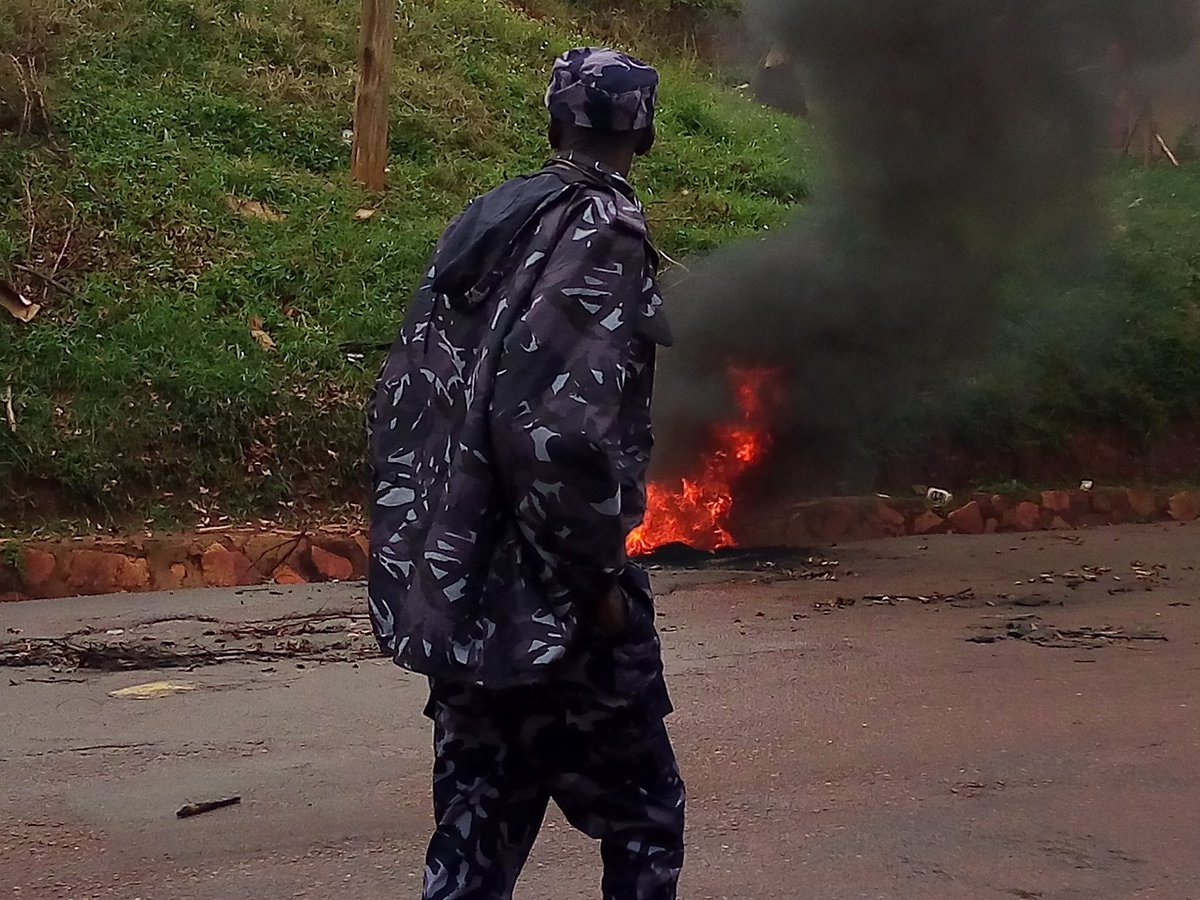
(601, 105)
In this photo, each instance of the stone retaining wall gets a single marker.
(868, 518)
(236, 557)
(225, 558)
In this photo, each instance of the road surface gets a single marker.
(841, 735)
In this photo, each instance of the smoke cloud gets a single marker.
(964, 139)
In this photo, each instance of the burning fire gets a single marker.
(696, 512)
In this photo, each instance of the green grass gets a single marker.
(1119, 349)
(141, 390)
(140, 381)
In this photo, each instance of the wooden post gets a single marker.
(368, 159)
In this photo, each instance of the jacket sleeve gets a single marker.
(556, 412)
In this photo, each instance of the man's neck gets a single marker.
(615, 163)
(597, 167)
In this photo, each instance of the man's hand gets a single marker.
(612, 613)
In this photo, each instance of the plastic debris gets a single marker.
(938, 497)
(152, 690)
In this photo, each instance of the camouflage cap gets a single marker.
(603, 89)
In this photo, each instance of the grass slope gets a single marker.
(1119, 351)
(141, 382)
(142, 389)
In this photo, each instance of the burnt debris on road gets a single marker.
(195, 641)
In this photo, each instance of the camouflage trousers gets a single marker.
(501, 756)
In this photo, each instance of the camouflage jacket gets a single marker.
(510, 430)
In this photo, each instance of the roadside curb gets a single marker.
(232, 557)
(850, 519)
(247, 556)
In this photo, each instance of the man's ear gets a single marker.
(646, 141)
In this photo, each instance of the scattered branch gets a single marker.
(9, 414)
(294, 542)
(42, 276)
(1167, 150)
(35, 117)
(67, 241)
(23, 125)
(673, 262)
(32, 211)
(43, 110)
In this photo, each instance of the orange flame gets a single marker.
(697, 511)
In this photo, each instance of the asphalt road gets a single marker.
(832, 750)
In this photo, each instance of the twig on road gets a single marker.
(196, 809)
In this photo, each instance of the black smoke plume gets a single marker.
(963, 143)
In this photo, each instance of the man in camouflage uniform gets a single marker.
(510, 435)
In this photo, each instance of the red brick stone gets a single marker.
(1184, 506)
(344, 546)
(928, 522)
(841, 516)
(1056, 501)
(1102, 502)
(331, 565)
(285, 574)
(165, 575)
(991, 526)
(1027, 517)
(271, 550)
(101, 572)
(223, 567)
(1143, 503)
(796, 532)
(1058, 523)
(892, 520)
(37, 567)
(867, 529)
(967, 519)
(364, 544)
(984, 502)
(762, 531)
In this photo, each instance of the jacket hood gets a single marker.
(474, 251)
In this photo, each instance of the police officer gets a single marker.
(510, 436)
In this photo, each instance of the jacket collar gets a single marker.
(598, 172)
